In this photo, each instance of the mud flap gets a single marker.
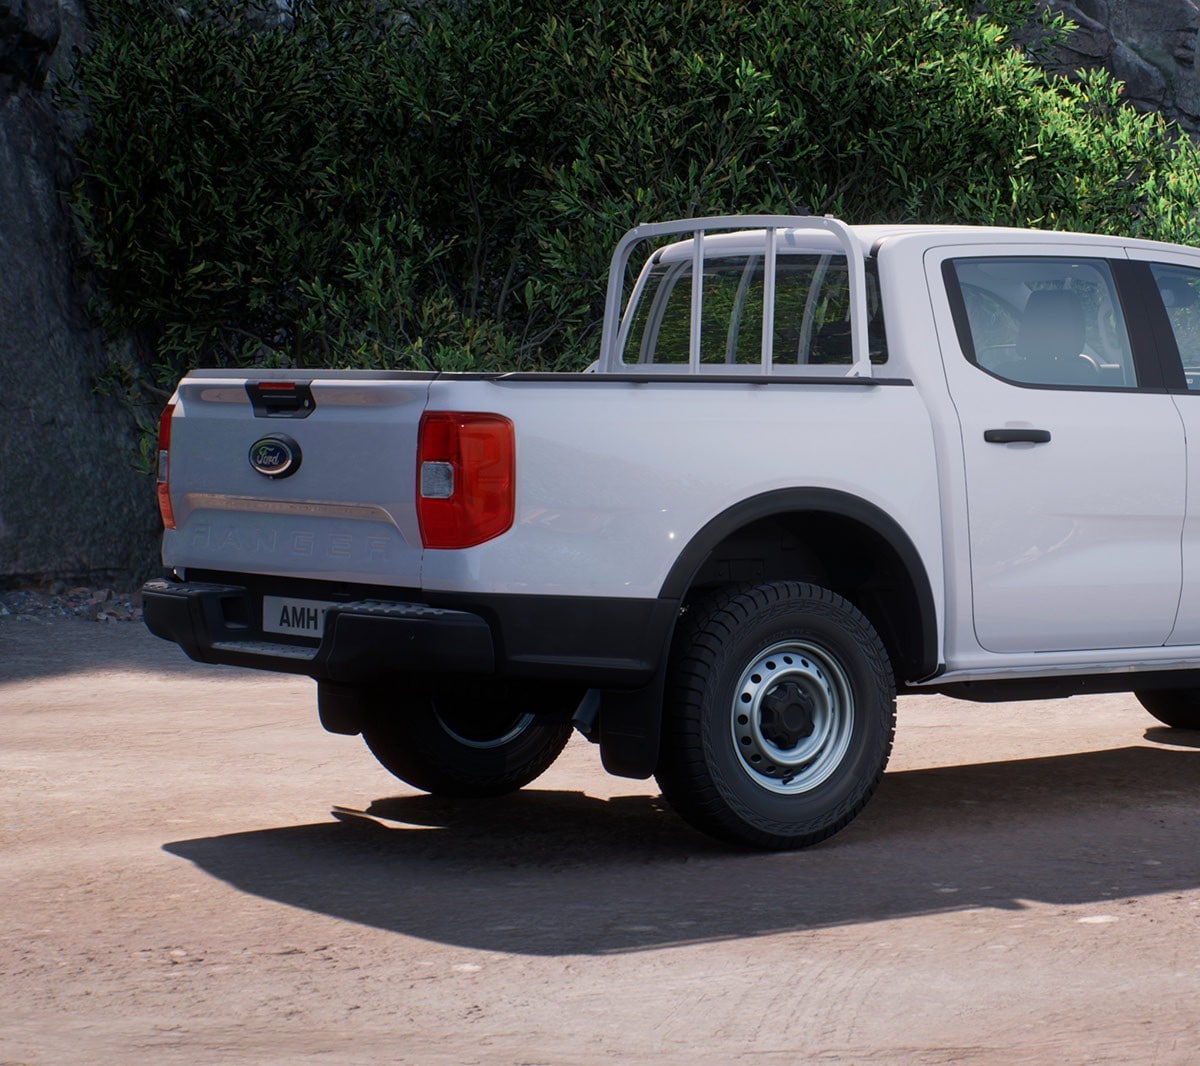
(340, 708)
(630, 723)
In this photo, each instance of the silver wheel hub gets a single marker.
(791, 717)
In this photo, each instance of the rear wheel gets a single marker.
(478, 739)
(779, 716)
(1177, 707)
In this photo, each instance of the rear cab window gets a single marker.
(811, 318)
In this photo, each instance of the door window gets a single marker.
(1179, 287)
(1041, 320)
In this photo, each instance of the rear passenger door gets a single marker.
(1073, 452)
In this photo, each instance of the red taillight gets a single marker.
(466, 478)
(164, 467)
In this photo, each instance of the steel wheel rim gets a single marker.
(482, 743)
(789, 687)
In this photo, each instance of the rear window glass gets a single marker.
(811, 322)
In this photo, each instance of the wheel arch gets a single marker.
(816, 535)
(826, 536)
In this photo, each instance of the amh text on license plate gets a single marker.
(292, 617)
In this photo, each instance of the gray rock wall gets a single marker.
(71, 506)
(1150, 45)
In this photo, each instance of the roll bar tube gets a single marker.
(616, 329)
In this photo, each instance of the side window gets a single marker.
(812, 313)
(1179, 288)
(1043, 321)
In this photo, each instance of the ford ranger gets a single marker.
(815, 465)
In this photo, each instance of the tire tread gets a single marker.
(688, 775)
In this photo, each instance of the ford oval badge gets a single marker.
(275, 456)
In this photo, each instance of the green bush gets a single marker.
(439, 185)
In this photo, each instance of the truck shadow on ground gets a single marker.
(551, 873)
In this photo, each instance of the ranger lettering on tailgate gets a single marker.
(216, 539)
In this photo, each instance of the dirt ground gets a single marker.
(182, 882)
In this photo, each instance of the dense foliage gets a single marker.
(413, 185)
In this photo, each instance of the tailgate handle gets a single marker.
(281, 399)
(1017, 436)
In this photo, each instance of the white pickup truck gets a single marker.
(851, 461)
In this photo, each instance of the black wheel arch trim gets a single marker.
(786, 502)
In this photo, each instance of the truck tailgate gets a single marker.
(344, 512)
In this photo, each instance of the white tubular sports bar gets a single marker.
(616, 330)
(768, 323)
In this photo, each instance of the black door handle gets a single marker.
(1016, 436)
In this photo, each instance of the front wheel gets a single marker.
(779, 716)
(484, 739)
(1177, 707)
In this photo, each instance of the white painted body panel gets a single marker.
(614, 478)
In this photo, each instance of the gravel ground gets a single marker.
(195, 872)
(58, 601)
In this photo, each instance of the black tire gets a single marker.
(1177, 707)
(484, 739)
(779, 716)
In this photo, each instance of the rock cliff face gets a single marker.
(1150, 45)
(71, 507)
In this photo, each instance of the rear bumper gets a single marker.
(216, 623)
(367, 634)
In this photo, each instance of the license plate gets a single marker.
(294, 618)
